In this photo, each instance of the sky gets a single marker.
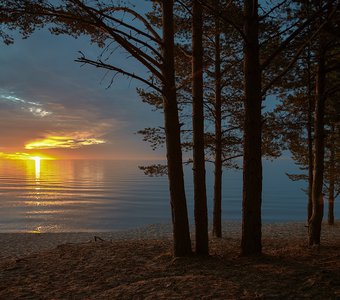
(52, 106)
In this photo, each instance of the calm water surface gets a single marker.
(113, 195)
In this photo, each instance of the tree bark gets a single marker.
(318, 172)
(310, 143)
(310, 163)
(331, 180)
(217, 213)
(181, 234)
(252, 165)
(331, 202)
(200, 198)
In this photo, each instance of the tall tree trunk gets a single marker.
(201, 214)
(331, 179)
(310, 142)
(317, 197)
(252, 165)
(217, 213)
(181, 234)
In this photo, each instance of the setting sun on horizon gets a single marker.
(26, 156)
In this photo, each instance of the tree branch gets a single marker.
(271, 10)
(294, 59)
(157, 38)
(285, 43)
(219, 13)
(102, 65)
(232, 157)
(142, 57)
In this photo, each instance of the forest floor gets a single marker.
(146, 269)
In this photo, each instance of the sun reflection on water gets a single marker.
(37, 160)
(45, 195)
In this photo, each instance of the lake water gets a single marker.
(59, 196)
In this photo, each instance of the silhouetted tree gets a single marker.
(200, 197)
(105, 23)
(324, 43)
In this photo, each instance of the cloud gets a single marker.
(39, 112)
(44, 93)
(33, 107)
(32, 123)
(65, 142)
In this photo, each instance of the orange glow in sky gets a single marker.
(25, 156)
(53, 107)
(53, 142)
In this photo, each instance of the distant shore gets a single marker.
(22, 244)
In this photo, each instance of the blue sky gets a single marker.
(45, 94)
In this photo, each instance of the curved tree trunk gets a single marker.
(201, 214)
(252, 165)
(181, 234)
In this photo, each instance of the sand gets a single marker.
(137, 264)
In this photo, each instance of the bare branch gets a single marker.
(232, 157)
(271, 10)
(118, 21)
(157, 39)
(143, 43)
(230, 129)
(280, 33)
(102, 65)
(184, 6)
(142, 57)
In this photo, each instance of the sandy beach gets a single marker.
(23, 244)
(137, 264)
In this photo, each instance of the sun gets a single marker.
(25, 156)
(40, 157)
(36, 158)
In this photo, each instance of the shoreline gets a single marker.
(23, 244)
